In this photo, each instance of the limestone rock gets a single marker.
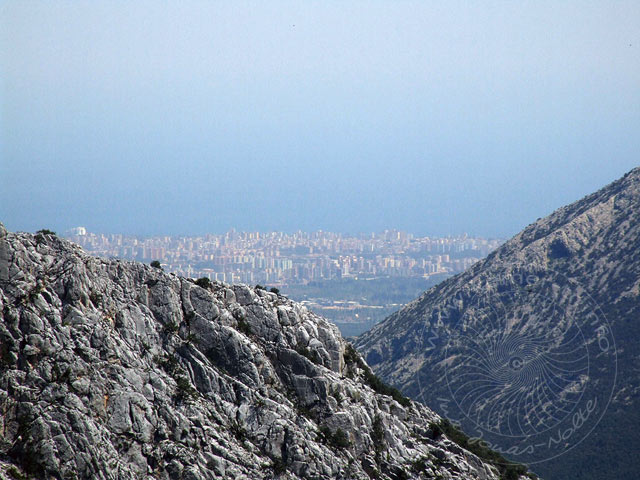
(116, 370)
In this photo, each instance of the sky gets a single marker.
(434, 117)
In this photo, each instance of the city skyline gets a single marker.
(281, 258)
(74, 229)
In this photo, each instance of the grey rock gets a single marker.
(115, 370)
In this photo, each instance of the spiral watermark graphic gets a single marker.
(524, 361)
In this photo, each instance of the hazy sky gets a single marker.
(433, 117)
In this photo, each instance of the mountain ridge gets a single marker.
(584, 264)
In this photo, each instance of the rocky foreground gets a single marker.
(117, 370)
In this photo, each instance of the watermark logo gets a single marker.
(524, 361)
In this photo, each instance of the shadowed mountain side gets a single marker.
(536, 348)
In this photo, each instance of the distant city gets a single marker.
(282, 259)
(355, 280)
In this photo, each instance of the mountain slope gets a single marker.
(536, 348)
(116, 370)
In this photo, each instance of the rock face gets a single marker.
(116, 370)
(536, 349)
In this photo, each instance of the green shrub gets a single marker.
(304, 411)
(325, 432)
(436, 431)
(419, 465)
(171, 327)
(169, 363)
(337, 439)
(340, 439)
(184, 389)
(203, 282)
(41, 234)
(401, 474)
(14, 473)
(352, 357)
(507, 469)
(335, 393)
(259, 287)
(377, 433)
(278, 466)
(382, 388)
(243, 326)
(238, 430)
(7, 357)
(274, 290)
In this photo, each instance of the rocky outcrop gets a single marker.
(536, 348)
(117, 370)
